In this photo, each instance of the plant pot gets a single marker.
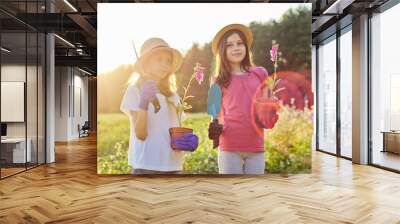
(178, 132)
(266, 112)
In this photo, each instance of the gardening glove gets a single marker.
(148, 91)
(214, 131)
(186, 142)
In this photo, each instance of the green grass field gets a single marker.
(287, 145)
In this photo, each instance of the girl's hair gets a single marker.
(222, 66)
(167, 85)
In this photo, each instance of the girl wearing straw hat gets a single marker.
(241, 149)
(147, 103)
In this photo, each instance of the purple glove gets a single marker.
(148, 91)
(187, 142)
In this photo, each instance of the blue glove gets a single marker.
(148, 91)
(186, 142)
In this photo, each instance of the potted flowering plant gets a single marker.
(267, 103)
(175, 132)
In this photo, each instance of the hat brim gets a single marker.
(176, 59)
(244, 29)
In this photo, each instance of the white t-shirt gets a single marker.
(155, 152)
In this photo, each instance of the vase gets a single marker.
(266, 112)
(178, 132)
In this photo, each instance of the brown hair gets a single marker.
(222, 66)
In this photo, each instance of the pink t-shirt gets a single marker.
(240, 133)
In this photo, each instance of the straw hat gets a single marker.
(154, 45)
(244, 29)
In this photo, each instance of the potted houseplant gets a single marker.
(266, 101)
(175, 132)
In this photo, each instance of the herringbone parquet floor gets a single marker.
(70, 191)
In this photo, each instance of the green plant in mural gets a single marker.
(204, 159)
(112, 144)
(116, 162)
(288, 144)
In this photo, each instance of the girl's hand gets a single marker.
(148, 91)
(214, 130)
(269, 123)
(187, 142)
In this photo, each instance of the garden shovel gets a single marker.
(214, 107)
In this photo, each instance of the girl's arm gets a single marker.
(148, 91)
(134, 104)
(139, 121)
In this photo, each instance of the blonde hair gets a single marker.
(167, 85)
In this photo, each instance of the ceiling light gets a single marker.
(5, 50)
(70, 5)
(84, 71)
(337, 7)
(64, 40)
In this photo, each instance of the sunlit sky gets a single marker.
(179, 24)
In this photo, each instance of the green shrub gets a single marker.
(116, 162)
(288, 144)
(204, 159)
(112, 144)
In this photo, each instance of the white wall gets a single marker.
(69, 85)
(62, 80)
(80, 100)
(33, 126)
(12, 73)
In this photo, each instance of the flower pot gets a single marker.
(177, 132)
(266, 112)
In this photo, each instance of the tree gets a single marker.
(292, 32)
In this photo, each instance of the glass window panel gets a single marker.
(327, 96)
(385, 88)
(14, 153)
(346, 94)
(31, 97)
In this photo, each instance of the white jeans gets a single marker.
(241, 162)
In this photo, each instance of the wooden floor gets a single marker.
(10, 171)
(70, 191)
(387, 159)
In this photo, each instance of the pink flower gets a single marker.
(200, 76)
(199, 73)
(274, 52)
